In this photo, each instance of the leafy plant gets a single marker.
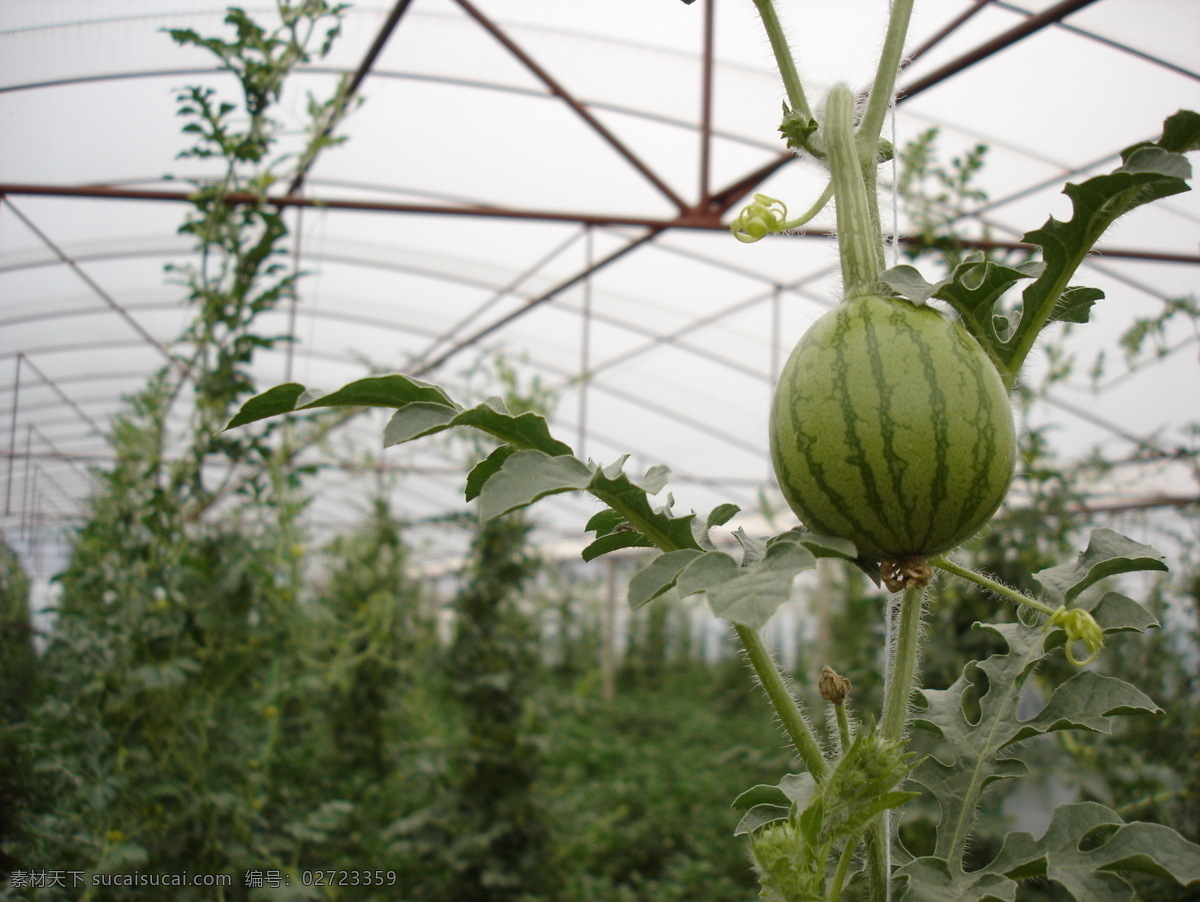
(138, 742)
(489, 838)
(807, 832)
(17, 673)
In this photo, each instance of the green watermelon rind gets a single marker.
(892, 428)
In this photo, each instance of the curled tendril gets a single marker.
(1079, 625)
(765, 216)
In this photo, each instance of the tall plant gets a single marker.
(18, 662)
(143, 735)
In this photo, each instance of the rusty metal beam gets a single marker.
(708, 220)
(573, 102)
(1030, 26)
(1107, 42)
(948, 29)
(352, 86)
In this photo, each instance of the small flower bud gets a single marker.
(765, 216)
(833, 686)
(1079, 625)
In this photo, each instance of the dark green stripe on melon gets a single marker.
(890, 427)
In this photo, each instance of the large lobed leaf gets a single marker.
(529, 464)
(393, 390)
(974, 751)
(1148, 172)
(1084, 849)
(1108, 554)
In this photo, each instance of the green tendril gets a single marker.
(1079, 625)
(768, 216)
(765, 216)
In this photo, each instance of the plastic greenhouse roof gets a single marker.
(552, 180)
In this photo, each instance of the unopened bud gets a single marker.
(833, 686)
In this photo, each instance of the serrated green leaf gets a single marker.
(526, 476)
(819, 545)
(1118, 614)
(392, 390)
(765, 804)
(710, 569)
(1089, 873)
(753, 547)
(612, 486)
(1153, 159)
(759, 816)
(975, 761)
(762, 794)
(616, 541)
(973, 290)
(933, 880)
(721, 514)
(1181, 132)
(485, 470)
(718, 516)
(1147, 173)
(418, 419)
(631, 520)
(604, 522)
(271, 403)
(1086, 702)
(526, 430)
(753, 594)
(1075, 304)
(658, 576)
(798, 787)
(422, 409)
(655, 479)
(908, 282)
(1108, 554)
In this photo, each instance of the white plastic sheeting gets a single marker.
(555, 173)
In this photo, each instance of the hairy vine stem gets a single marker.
(784, 703)
(905, 660)
(792, 85)
(787, 709)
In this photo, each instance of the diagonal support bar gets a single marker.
(573, 102)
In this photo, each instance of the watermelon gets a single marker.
(890, 427)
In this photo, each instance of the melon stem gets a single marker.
(860, 244)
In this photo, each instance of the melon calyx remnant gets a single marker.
(891, 427)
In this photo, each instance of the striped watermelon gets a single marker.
(890, 427)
